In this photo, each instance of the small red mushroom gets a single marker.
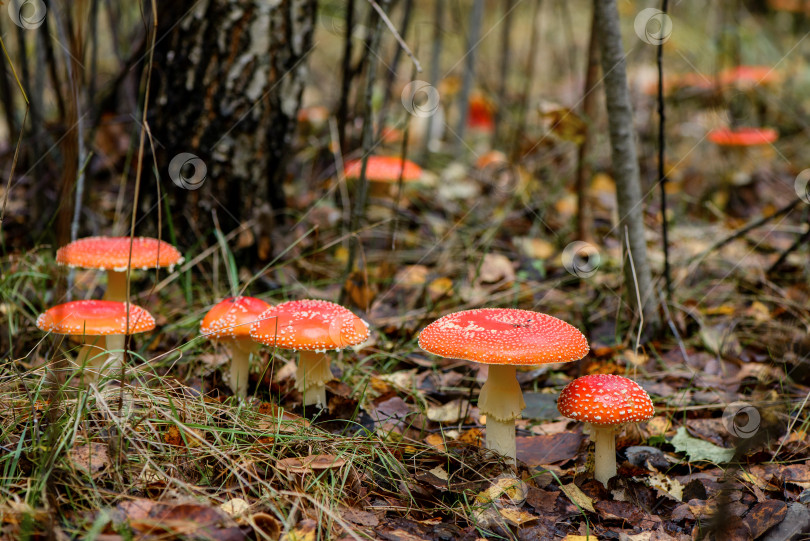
(112, 254)
(88, 321)
(742, 137)
(382, 172)
(503, 338)
(229, 322)
(605, 402)
(311, 327)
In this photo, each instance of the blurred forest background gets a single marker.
(229, 128)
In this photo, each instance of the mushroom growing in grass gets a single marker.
(228, 322)
(503, 338)
(88, 322)
(382, 173)
(605, 402)
(311, 327)
(112, 254)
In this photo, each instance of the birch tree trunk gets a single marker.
(625, 161)
(227, 83)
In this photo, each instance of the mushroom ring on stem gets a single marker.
(311, 327)
(228, 322)
(112, 254)
(503, 338)
(89, 320)
(605, 402)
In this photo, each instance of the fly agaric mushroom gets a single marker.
(382, 172)
(605, 402)
(749, 76)
(503, 338)
(746, 148)
(112, 254)
(229, 322)
(311, 327)
(88, 321)
(742, 137)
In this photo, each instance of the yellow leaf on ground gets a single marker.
(436, 441)
(578, 497)
(516, 517)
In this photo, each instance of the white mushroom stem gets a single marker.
(311, 377)
(501, 400)
(604, 441)
(89, 355)
(116, 286)
(240, 350)
(115, 347)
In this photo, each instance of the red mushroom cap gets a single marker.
(480, 113)
(93, 318)
(748, 75)
(743, 137)
(310, 325)
(112, 253)
(232, 317)
(504, 336)
(384, 169)
(605, 399)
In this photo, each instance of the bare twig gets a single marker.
(506, 61)
(584, 219)
(347, 74)
(393, 30)
(662, 176)
(71, 55)
(392, 71)
(792, 248)
(435, 60)
(745, 229)
(534, 37)
(469, 69)
(362, 183)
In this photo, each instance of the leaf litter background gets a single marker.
(397, 453)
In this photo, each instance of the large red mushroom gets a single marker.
(503, 338)
(383, 172)
(90, 322)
